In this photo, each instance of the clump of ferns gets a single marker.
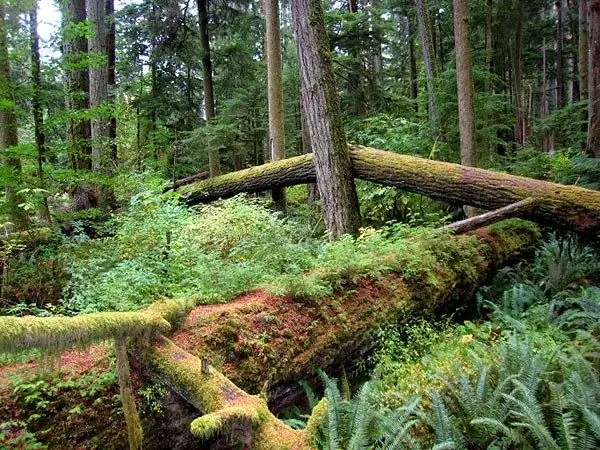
(358, 422)
(527, 400)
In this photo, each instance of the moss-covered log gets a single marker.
(227, 409)
(21, 333)
(555, 204)
(266, 343)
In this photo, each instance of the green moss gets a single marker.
(316, 418)
(218, 422)
(20, 333)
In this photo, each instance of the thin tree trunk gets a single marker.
(275, 93)
(429, 60)
(413, 59)
(583, 49)
(517, 69)
(38, 117)
(560, 83)
(324, 118)
(353, 85)
(9, 132)
(214, 161)
(593, 139)
(112, 59)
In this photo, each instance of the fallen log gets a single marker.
(556, 205)
(187, 180)
(482, 220)
(264, 342)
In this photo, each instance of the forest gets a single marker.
(306, 224)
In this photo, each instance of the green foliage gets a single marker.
(528, 378)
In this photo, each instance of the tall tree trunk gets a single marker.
(353, 85)
(324, 118)
(9, 130)
(517, 70)
(560, 82)
(429, 60)
(489, 50)
(38, 116)
(593, 139)
(214, 162)
(275, 93)
(77, 81)
(583, 49)
(112, 59)
(98, 74)
(412, 58)
(464, 78)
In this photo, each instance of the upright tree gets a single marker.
(275, 93)
(582, 63)
(37, 107)
(77, 83)
(464, 78)
(214, 162)
(593, 138)
(9, 137)
(431, 71)
(324, 120)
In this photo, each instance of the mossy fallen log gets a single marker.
(265, 342)
(58, 333)
(569, 207)
(226, 408)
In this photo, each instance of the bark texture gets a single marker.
(9, 130)
(77, 81)
(583, 50)
(214, 162)
(593, 139)
(557, 205)
(275, 93)
(464, 78)
(98, 74)
(324, 119)
(431, 71)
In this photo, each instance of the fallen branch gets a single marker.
(488, 218)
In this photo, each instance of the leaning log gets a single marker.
(265, 342)
(556, 205)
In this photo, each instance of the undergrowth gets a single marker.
(527, 377)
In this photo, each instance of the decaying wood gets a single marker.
(265, 342)
(556, 205)
(490, 217)
(188, 180)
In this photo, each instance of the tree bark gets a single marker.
(482, 220)
(557, 205)
(275, 93)
(266, 343)
(412, 58)
(560, 82)
(517, 69)
(9, 137)
(464, 79)
(38, 112)
(429, 61)
(77, 81)
(214, 162)
(324, 119)
(593, 138)
(111, 49)
(98, 73)
(583, 49)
